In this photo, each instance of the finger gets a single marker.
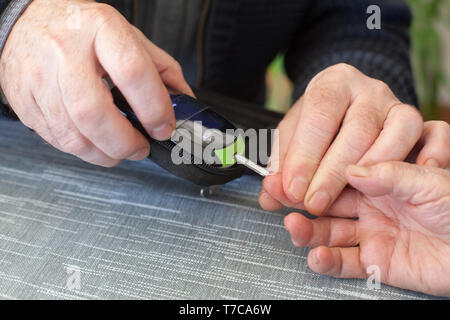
(436, 145)
(90, 106)
(337, 262)
(403, 181)
(169, 69)
(283, 137)
(273, 185)
(331, 232)
(131, 68)
(28, 112)
(346, 205)
(66, 136)
(401, 131)
(360, 128)
(267, 202)
(325, 103)
(273, 182)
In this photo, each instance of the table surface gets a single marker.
(70, 230)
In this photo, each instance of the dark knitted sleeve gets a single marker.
(3, 4)
(336, 31)
(10, 11)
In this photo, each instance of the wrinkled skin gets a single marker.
(396, 216)
(403, 227)
(344, 118)
(51, 72)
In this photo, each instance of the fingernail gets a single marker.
(163, 132)
(432, 163)
(298, 188)
(140, 155)
(320, 201)
(314, 257)
(357, 171)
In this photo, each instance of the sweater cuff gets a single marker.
(9, 17)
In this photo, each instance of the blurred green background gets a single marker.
(430, 35)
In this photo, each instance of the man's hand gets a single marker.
(343, 118)
(52, 69)
(403, 228)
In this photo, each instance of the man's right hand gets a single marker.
(51, 73)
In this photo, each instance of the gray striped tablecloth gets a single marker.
(69, 230)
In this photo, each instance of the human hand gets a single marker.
(52, 70)
(403, 228)
(343, 118)
(432, 149)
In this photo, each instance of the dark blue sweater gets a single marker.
(242, 37)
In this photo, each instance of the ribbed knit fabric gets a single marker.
(10, 11)
(244, 36)
(336, 31)
(3, 4)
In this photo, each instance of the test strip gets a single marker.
(251, 165)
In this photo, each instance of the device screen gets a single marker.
(187, 108)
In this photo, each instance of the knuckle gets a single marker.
(319, 92)
(414, 119)
(380, 89)
(73, 143)
(385, 170)
(341, 68)
(121, 151)
(364, 128)
(86, 110)
(102, 13)
(155, 116)
(133, 68)
(321, 123)
(327, 80)
(440, 126)
(86, 114)
(335, 174)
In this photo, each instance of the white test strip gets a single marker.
(251, 165)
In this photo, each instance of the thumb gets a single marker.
(403, 181)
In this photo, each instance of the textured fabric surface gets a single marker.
(136, 232)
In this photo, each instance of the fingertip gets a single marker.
(267, 202)
(320, 259)
(299, 227)
(271, 184)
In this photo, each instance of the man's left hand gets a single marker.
(343, 118)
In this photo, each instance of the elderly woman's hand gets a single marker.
(403, 228)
